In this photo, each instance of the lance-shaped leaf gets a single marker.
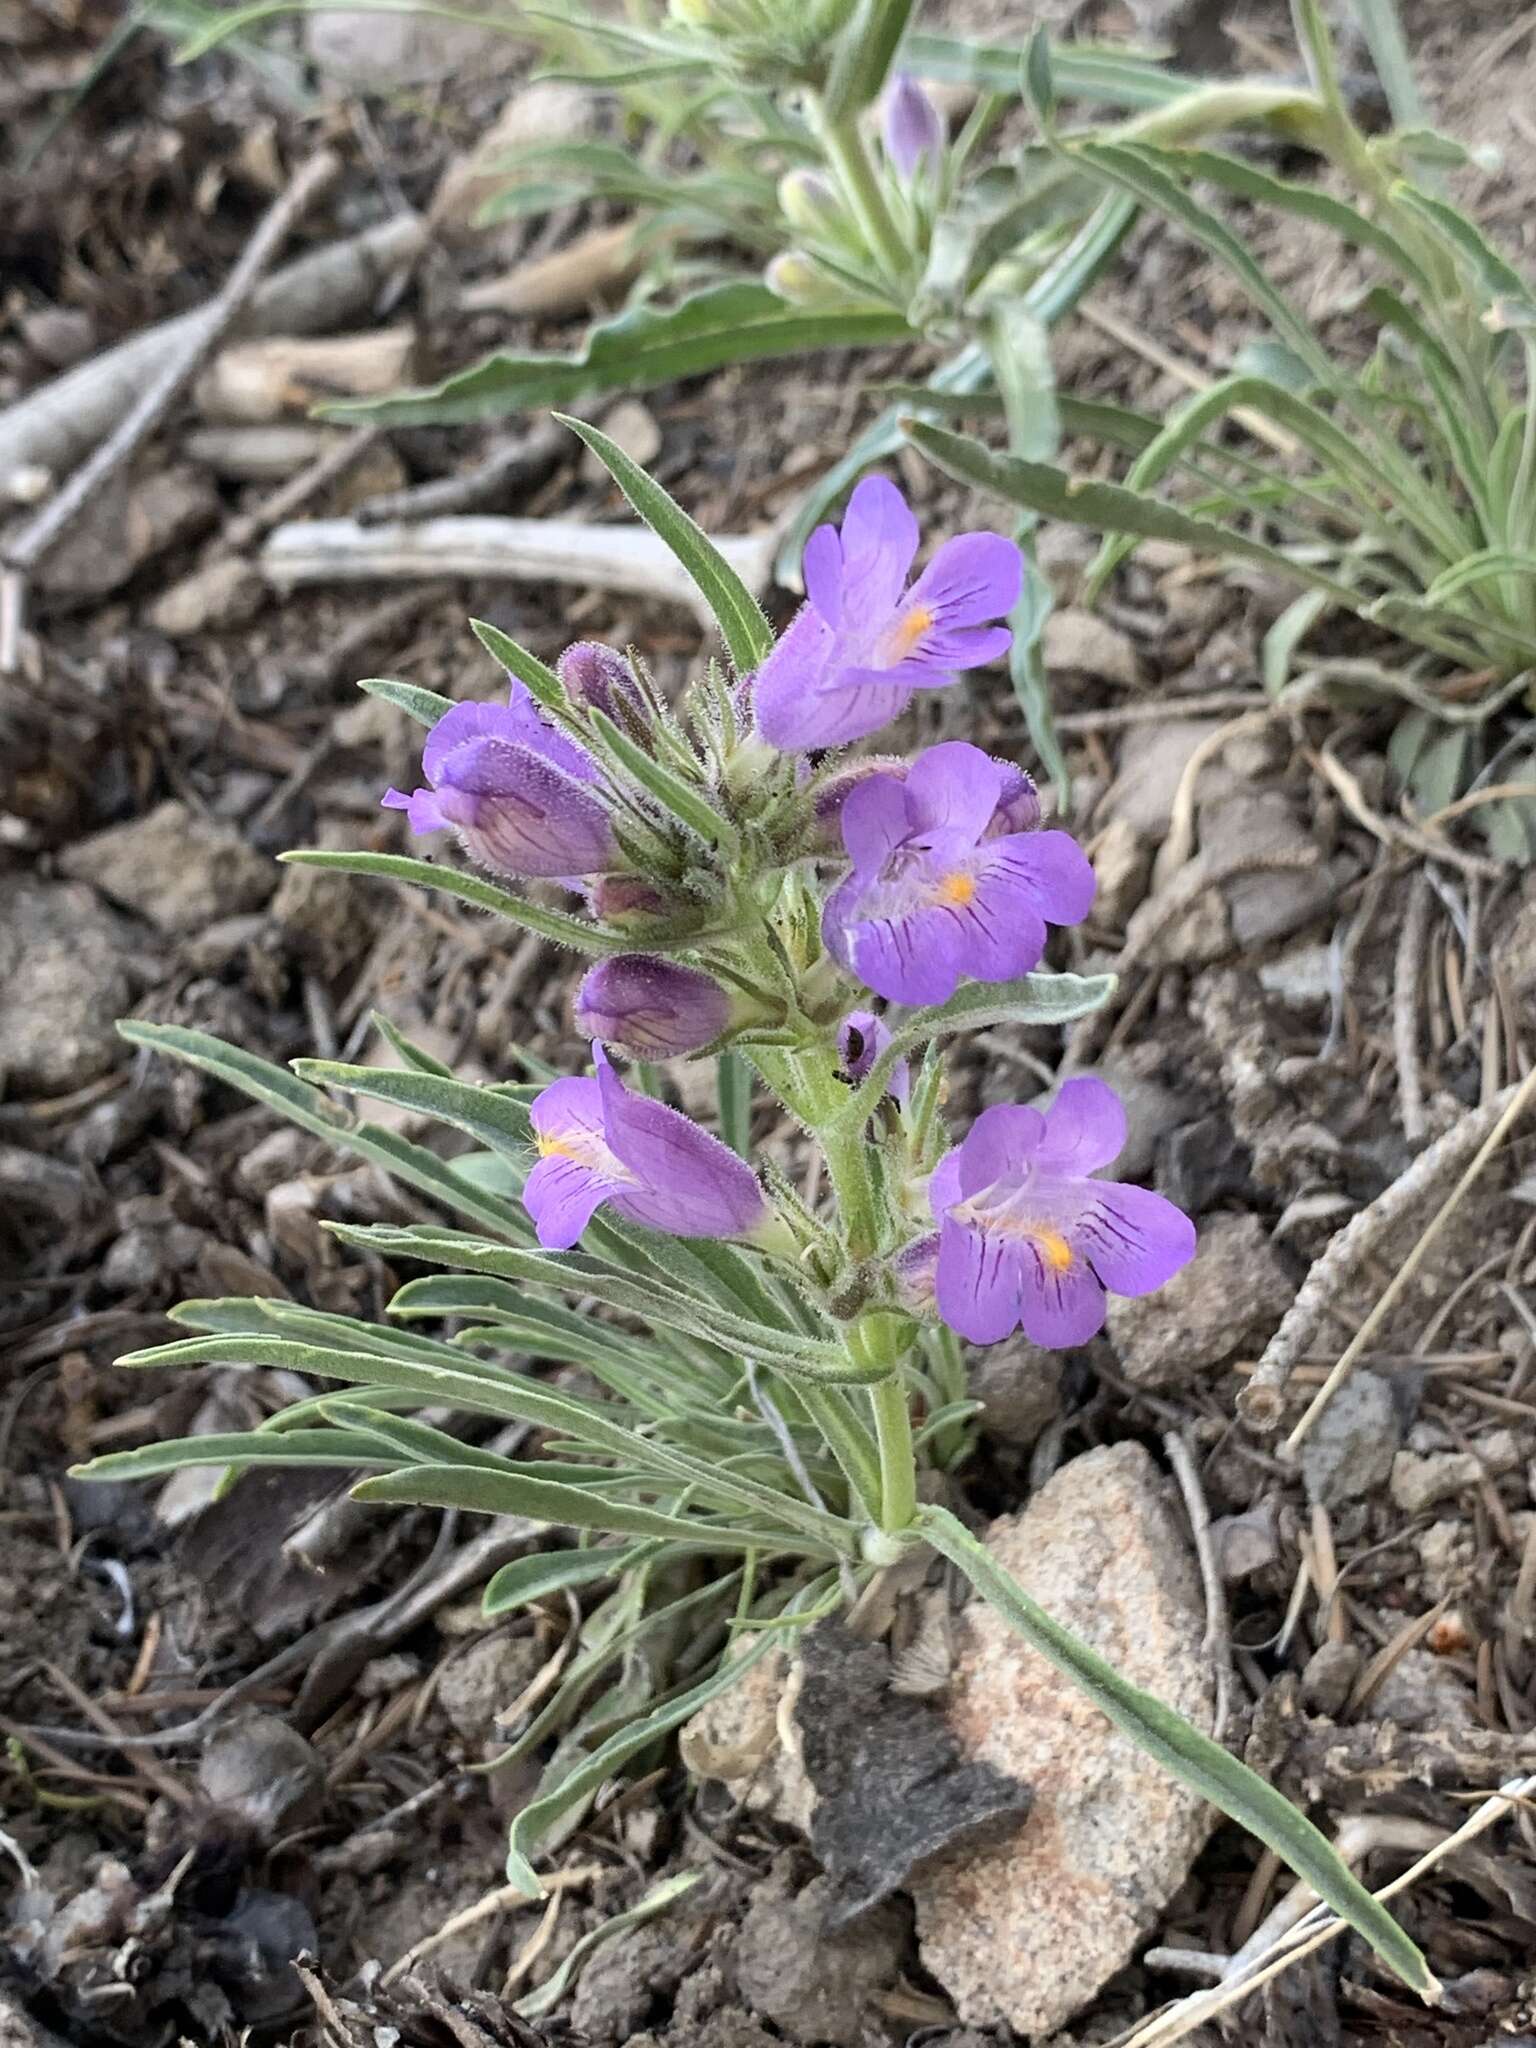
(425, 706)
(556, 925)
(341, 1447)
(497, 1120)
(1183, 1751)
(735, 610)
(728, 323)
(307, 1107)
(526, 1579)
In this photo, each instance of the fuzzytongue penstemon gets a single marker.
(746, 893)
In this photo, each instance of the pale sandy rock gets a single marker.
(63, 966)
(1349, 1453)
(1420, 1481)
(746, 1739)
(1152, 764)
(1229, 1299)
(1085, 644)
(1025, 1932)
(1122, 866)
(178, 869)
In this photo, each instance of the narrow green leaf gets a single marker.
(679, 799)
(1099, 74)
(1183, 1751)
(341, 1447)
(496, 1120)
(556, 925)
(307, 1107)
(736, 611)
(425, 706)
(1493, 272)
(733, 1093)
(527, 1579)
(865, 50)
(1084, 501)
(414, 1055)
(541, 680)
(535, 2004)
(647, 346)
(535, 1819)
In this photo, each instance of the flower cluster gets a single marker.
(780, 887)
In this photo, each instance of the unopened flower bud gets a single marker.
(629, 901)
(650, 1008)
(1018, 803)
(915, 1271)
(828, 797)
(809, 202)
(598, 679)
(800, 280)
(914, 128)
(861, 1038)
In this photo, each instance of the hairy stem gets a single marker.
(860, 182)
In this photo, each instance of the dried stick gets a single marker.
(47, 527)
(1405, 1008)
(507, 1898)
(527, 460)
(61, 422)
(1217, 1644)
(1479, 1133)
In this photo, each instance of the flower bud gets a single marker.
(829, 796)
(598, 679)
(915, 1271)
(800, 280)
(861, 1038)
(650, 1008)
(1018, 803)
(809, 202)
(914, 128)
(626, 900)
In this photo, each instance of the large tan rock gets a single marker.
(1026, 1931)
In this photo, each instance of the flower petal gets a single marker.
(1050, 868)
(974, 578)
(822, 567)
(954, 787)
(944, 1184)
(521, 815)
(561, 1195)
(1084, 1127)
(879, 539)
(1060, 1307)
(952, 647)
(567, 1108)
(916, 957)
(998, 1144)
(977, 1284)
(534, 730)
(998, 933)
(466, 722)
(423, 812)
(876, 819)
(685, 1181)
(1134, 1239)
(785, 698)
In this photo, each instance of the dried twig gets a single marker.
(48, 526)
(520, 463)
(1217, 1645)
(332, 462)
(627, 558)
(1407, 970)
(62, 421)
(1478, 1133)
(507, 1898)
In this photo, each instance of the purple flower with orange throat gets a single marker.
(932, 898)
(1029, 1239)
(598, 1143)
(650, 1008)
(865, 641)
(522, 797)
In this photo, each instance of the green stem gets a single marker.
(860, 182)
(898, 1462)
(1183, 1751)
(848, 1440)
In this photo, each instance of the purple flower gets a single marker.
(598, 1143)
(1027, 1237)
(651, 1009)
(914, 128)
(931, 897)
(861, 1038)
(864, 642)
(519, 794)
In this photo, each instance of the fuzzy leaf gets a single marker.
(557, 925)
(647, 346)
(527, 1579)
(425, 706)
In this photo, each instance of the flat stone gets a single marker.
(812, 1985)
(179, 870)
(1088, 645)
(63, 966)
(1419, 1482)
(1152, 764)
(1026, 1931)
(481, 1682)
(1349, 1453)
(1228, 1299)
